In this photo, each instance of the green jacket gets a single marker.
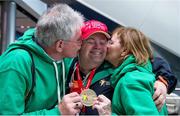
(134, 89)
(16, 79)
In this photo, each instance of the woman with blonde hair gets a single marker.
(130, 52)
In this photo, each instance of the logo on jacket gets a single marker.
(102, 82)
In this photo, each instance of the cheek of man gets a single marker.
(73, 50)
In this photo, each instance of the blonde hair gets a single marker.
(135, 42)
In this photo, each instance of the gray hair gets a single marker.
(58, 22)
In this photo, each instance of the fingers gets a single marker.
(160, 102)
(160, 88)
(68, 109)
(160, 107)
(70, 104)
(159, 94)
(102, 98)
(73, 94)
(103, 105)
(98, 107)
(78, 105)
(72, 97)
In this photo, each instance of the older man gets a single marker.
(32, 71)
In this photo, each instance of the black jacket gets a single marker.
(161, 67)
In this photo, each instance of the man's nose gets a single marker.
(97, 45)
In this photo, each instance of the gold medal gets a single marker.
(88, 96)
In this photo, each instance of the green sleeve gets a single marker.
(12, 94)
(137, 99)
(54, 111)
(114, 114)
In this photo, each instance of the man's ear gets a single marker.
(59, 45)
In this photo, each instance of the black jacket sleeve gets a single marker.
(162, 68)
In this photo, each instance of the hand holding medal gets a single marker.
(103, 105)
(70, 104)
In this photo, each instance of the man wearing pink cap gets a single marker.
(89, 71)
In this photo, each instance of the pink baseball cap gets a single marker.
(91, 27)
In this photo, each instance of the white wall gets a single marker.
(34, 7)
(159, 19)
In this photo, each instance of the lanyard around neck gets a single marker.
(90, 77)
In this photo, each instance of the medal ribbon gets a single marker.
(80, 82)
(90, 77)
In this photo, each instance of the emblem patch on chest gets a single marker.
(103, 82)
